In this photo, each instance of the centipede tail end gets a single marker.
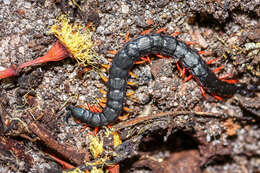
(247, 90)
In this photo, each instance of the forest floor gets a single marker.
(170, 128)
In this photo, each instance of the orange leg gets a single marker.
(96, 131)
(146, 59)
(127, 109)
(139, 62)
(88, 25)
(213, 60)
(231, 81)
(179, 67)
(203, 93)
(146, 31)
(83, 128)
(191, 42)
(133, 75)
(132, 83)
(143, 60)
(218, 69)
(188, 78)
(225, 76)
(183, 73)
(113, 52)
(103, 100)
(204, 52)
(127, 37)
(106, 66)
(90, 108)
(94, 108)
(217, 97)
(175, 34)
(105, 79)
(123, 117)
(103, 91)
(130, 93)
(161, 56)
(161, 30)
(86, 69)
(103, 105)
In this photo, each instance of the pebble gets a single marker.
(1, 18)
(6, 2)
(140, 21)
(2, 68)
(196, 35)
(21, 50)
(125, 9)
(27, 5)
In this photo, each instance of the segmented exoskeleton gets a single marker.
(124, 60)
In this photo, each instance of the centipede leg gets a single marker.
(213, 60)
(161, 30)
(130, 93)
(139, 62)
(175, 34)
(146, 59)
(96, 131)
(127, 37)
(230, 81)
(203, 92)
(188, 78)
(218, 69)
(105, 79)
(191, 42)
(146, 31)
(127, 109)
(217, 97)
(178, 67)
(113, 52)
(204, 52)
(133, 75)
(106, 66)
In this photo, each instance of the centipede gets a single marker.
(132, 51)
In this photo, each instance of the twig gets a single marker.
(70, 153)
(154, 116)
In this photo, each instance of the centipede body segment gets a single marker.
(124, 60)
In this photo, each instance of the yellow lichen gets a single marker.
(77, 39)
(117, 140)
(95, 146)
(77, 170)
(96, 170)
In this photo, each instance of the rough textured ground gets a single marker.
(221, 27)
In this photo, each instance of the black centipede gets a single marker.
(141, 46)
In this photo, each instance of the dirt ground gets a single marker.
(170, 128)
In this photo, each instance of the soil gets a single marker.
(224, 138)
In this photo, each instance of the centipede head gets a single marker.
(72, 111)
(68, 114)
